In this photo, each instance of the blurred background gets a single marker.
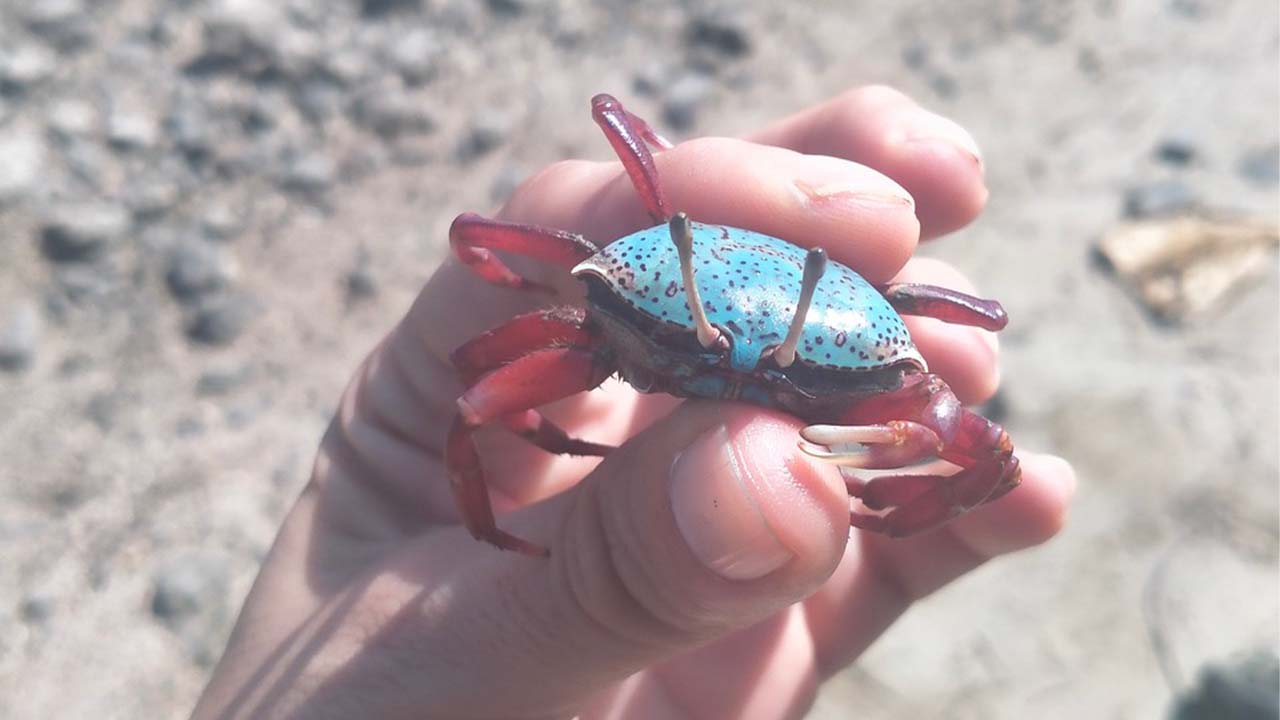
(211, 209)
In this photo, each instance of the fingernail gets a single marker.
(829, 179)
(937, 130)
(718, 512)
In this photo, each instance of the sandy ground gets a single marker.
(155, 426)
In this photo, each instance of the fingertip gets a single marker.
(1030, 515)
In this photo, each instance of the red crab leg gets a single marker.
(945, 305)
(473, 238)
(535, 379)
(537, 330)
(981, 448)
(627, 133)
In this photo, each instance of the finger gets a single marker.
(705, 524)
(879, 577)
(966, 357)
(935, 159)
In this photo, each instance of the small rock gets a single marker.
(83, 231)
(389, 112)
(240, 36)
(488, 131)
(1160, 198)
(361, 283)
(189, 127)
(131, 130)
(308, 173)
(722, 32)
(26, 66)
(19, 336)
(512, 7)
(189, 597)
(63, 23)
(221, 319)
(916, 55)
(1244, 688)
(151, 196)
(197, 269)
(71, 118)
(36, 608)
(1176, 150)
(23, 158)
(102, 409)
(651, 78)
(684, 97)
(377, 8)
(221, 381)
(414, 54)
(347, 66)
(1261, 166)
(221, 221)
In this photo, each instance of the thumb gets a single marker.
(707, 522)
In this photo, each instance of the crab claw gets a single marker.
(890, 445)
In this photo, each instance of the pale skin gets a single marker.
(661, 597)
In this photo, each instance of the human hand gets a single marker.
(704, 569)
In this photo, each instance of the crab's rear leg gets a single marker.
(535, 379)
(945, 304)
(916, 503)
(538, 330)
(474, 238)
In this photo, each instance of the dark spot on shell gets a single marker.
(672, 289)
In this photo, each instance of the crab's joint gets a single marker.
(815, 265)
(891, 445)
(709, 336)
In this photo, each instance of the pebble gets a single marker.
(72, 118)
(1157, 199)
(25, 67)
(19, 335)
(150, 196)
(376, 8)
(189, 597)
(1243, 688)
(488, 130)
(361, 282)
(131, 130)
(36, 607)
(240, 36)
(512, 7)
(1261, 165)
(221, 318)
(389, 112)
(66, 24)
(684, 97)
(189, 127)
(1176, 150)
(221, 221)
(220, 381)
(82, 231)
(723, 32)
(414, 55)
(308, 172)
(196, 269)
(23, 154)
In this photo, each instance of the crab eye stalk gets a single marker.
(682, 235)
(815, 264)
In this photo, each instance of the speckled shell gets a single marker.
(749, 284)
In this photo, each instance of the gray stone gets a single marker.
(23, 154)
(189, 126)
(1157, 199)
(65, 24)
(72, 118)
(361, 282)
(388, 111)
(414, 54)
(220, 319)
(240, 36)
(83, 231)
(220, 381)
(1177, 150)
(25, 66)
(197, 269)
(513, 7)
(36, 607)
(1243, 688)
(488, 130)
(376, 8)
(19, 336)
(151, 196)
(189, 596)
(1261, 165)
(308, 172)
(222, 221)
(684, 97)
(131, 130)
(724, 32)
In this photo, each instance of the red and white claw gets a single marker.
(888, 445)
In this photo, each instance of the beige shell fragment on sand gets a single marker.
(1182, 266)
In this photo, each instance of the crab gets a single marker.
(707, 311)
